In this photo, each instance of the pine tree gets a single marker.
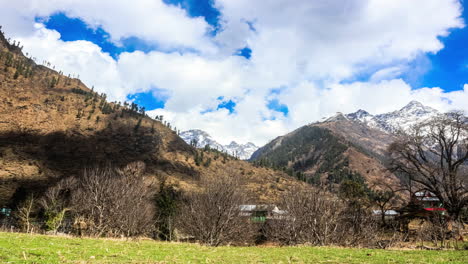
(137, 126)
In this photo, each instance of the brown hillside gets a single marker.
(367, 152)
(52, 126)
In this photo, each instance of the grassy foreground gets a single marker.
(25, 248)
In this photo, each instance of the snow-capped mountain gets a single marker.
(244, 151)
(413, 113)
(201, 138)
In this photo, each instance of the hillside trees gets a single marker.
(434, 155)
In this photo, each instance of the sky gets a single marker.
(247, 70)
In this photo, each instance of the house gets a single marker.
(5, 211)
(389, 214)
(423, 205)
(261, 212)
(428, 201)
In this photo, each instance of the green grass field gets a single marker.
(25, 248)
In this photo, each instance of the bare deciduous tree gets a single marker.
(24, 214)
(114, 201)
(320, 218)
(212, 216)
(55, 202)
(434, 155)
(312, 216)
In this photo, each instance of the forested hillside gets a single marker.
(331, 152)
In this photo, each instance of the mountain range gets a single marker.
(392, 122)
(200, 139)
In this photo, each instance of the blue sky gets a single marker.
(200, 8)
(449, 67)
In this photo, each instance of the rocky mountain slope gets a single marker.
(200, 139)
(53, 126)
(343, 147)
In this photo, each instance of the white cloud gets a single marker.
(77, 58)
(334, 39)
(386, 74)
(151, 20)
(306, 48)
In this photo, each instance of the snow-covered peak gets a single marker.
(411, 114)
(200, 138)
(233, 144)
(360, 115)
(196, 132)
(417, 109)
(336, 117)
(251, 145)
(363, 117)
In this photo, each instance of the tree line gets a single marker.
(108, 201)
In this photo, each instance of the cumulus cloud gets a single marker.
(302, 53)
(335, 39)
(151, 20)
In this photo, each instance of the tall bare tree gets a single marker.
(114, 201)
(25, 212)
(434, 156)
(311, 216)
(212, 216)
(320, 218)
(55, 203)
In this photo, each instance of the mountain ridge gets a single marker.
(401, 119)
(343, 147)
